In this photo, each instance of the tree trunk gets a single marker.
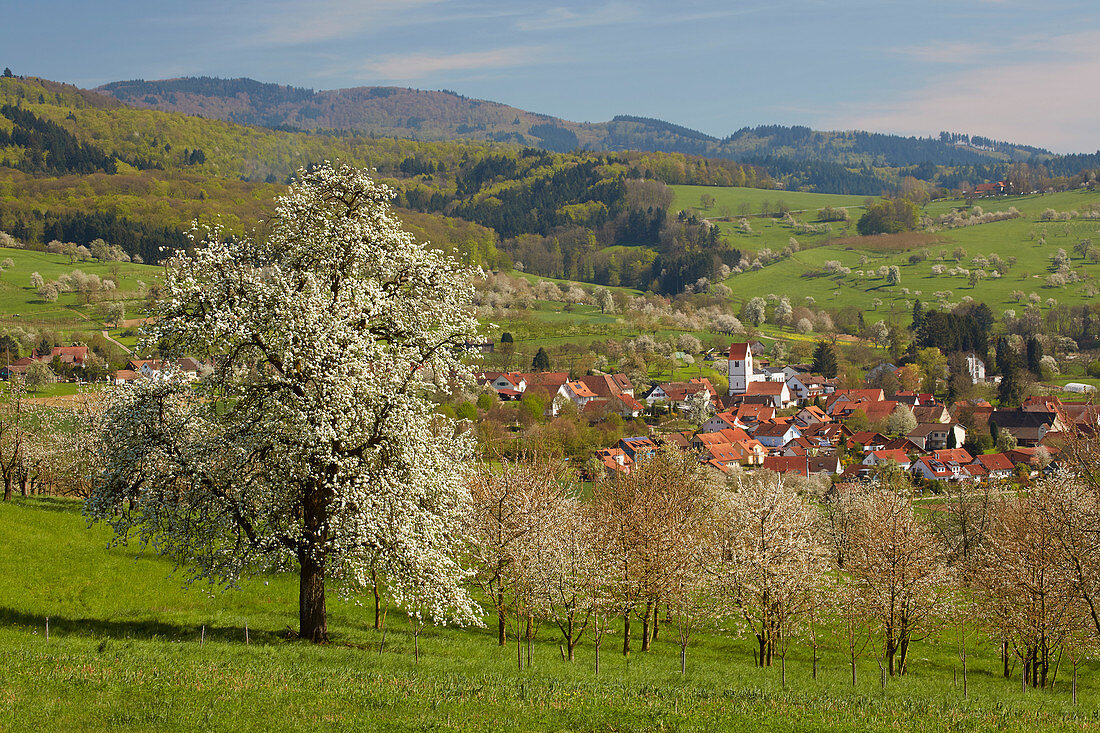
(502, 628)
(7, 489)
(379, 616)
(1004, 659)
(763, 644)
(646, 627)
(597, 640)
(312, 615)
(312, 619)
(626, 634)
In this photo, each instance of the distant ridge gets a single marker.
(446, 115)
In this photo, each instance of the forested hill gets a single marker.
(445, 115)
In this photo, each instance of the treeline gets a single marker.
(150, 242)
(672, 547)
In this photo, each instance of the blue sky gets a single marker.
(1011, 69)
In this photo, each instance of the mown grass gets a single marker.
(124, 653)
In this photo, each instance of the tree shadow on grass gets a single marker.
(96, 628)
(61, 504)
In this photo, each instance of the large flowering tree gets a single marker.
(313, 443)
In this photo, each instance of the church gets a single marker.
(741, 371)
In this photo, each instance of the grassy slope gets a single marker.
(124, 654)
(21, 306)
(1008, 238)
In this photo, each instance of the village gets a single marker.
(786, 419)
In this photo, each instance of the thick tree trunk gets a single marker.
(312, 617)
(7, 489)
(646, 627)
(762, 660)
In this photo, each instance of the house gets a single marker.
(606, 385)
(599, 408)
(677, 394)
(726, 435)
(885, 457)
(74, 355)
(720, 421)
(975, 367)
(952, 455)
(931, 414)
(841, 398)
(615, 459)
(996, 465)
(803, 465)
(125, 376)
(776, 394)
(639, 447)
(740, 369)
(806, 387)
(932, 436)
(1027, 426)
(869, 439)
(811, 416)
(826, 435)
(578, 393)
(876, 372)
(929, 468)
(16, 367)
(997, 188)
(723, 455)
(681, 440)
(776, 434)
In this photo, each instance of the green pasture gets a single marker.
(735, 199)
(20, 305)
(1022, 238)
(131, 649)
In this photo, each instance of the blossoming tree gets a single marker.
(313, 443)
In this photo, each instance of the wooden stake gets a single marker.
(47, 628)
(246, 634)
(202, 638)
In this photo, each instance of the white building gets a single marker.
(740, 368)
(975, 367)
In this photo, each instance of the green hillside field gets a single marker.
(21, 306)
(802, 275)
(130, 649)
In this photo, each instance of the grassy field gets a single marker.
(21, 306)
(1031, 241)
(126, 653)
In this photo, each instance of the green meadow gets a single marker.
(1029, 240)
(131, 649)
(20, 304)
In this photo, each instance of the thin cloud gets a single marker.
(294, 23)
(409, 67)
(1050, 102)
(560, 18)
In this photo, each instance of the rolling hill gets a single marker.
(445, 115)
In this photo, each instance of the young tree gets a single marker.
(315, 439)
(897, 569)
(38, 375)
(36, 281)
(1025, 586)
(771, 562)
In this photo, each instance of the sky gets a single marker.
(1016, 70)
